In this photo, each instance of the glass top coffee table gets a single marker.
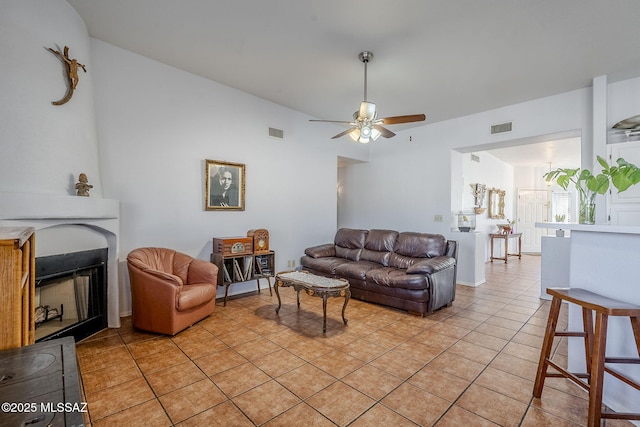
(317, 286)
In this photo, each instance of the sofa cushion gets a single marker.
(326, 265)
(396, 278)
(420, 245)
(378, 246)
(350, 238)
(355, 270)
(346, 253)
(381, 240)
(192, 296)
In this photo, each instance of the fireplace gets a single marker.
(80, 220)
(71, 294)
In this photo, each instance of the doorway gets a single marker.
(533, 206)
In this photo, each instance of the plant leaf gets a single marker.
(598, 184)
(604, 164)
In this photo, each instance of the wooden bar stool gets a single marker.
(595, 345)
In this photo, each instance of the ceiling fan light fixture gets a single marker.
(365, 134)
(366, 125)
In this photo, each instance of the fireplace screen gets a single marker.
(71, 294)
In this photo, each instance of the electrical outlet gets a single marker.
(291, 263)
(438, 218)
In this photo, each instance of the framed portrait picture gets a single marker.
(224, 186)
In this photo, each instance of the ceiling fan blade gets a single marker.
(367, 110)
(403, 119)
(384, 131)
(333, 121)
(344, 133)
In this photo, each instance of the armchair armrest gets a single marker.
(202, 272)
(328, 249)
(431, 265)
(163, 277)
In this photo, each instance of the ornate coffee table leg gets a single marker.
(324, 311)
(275, 288)
(347, 296)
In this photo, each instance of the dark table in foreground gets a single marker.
(40, 385)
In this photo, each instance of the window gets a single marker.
(561, 206)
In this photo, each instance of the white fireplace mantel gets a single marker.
(21, 206)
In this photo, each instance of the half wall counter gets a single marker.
(605, 259)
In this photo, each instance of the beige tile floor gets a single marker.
(472, 364)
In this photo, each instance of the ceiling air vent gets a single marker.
(276, 133)
(501, 128)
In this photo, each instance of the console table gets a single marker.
(506, 237)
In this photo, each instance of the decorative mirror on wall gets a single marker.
(496, 203)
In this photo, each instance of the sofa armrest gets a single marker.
(328, 249)
(431, 265)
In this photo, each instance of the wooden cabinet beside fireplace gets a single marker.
(17, 286)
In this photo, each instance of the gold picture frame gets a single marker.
(224, 186)
(496, 203)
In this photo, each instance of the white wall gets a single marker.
(495, 174)
(405, 184)
(44, 147)
(158, 124)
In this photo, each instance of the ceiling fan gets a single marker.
(366, 125)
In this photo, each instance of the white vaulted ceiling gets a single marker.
(442, 58)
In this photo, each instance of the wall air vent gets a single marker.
(276, 133)
(501, 128)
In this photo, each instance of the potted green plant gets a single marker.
(621, 175)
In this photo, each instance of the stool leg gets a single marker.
(547, 344)
(587, 323)
(597, 370)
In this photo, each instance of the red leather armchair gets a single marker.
(170, 291)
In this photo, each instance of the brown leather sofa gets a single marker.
(409, 271)
(170, 291)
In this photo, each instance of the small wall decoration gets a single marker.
(478, 191)
(83, 186)
(71, 67)
(224, 186)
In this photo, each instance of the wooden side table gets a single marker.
(506, 238)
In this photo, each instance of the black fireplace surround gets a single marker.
(90, 264)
